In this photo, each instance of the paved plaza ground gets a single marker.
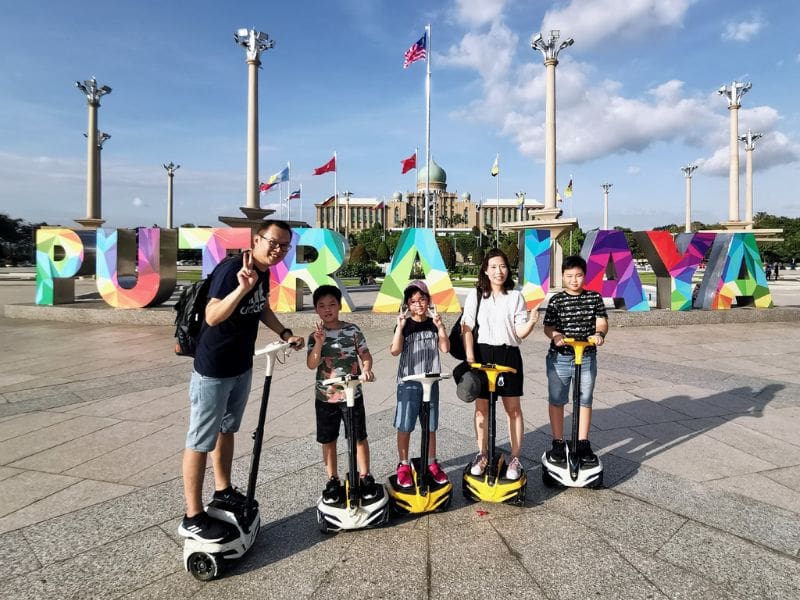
(698, 427)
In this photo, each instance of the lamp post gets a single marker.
(254, 42)
(687, 173)
(102, 138)
(550, 49)
(734, 95)
(347, 194)
(93, 93)
(606, 187)
(170, 167)
(749, 145)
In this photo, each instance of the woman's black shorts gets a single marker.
(508, 356)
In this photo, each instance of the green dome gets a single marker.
(437, 174)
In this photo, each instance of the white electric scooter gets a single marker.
(206, 560)
(352, 511)
(571, 473)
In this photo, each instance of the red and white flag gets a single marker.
(327, 167)
(409, 163)
(418, 51)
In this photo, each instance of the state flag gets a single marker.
(409, 163)
(327, 167)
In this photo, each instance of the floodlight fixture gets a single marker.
(550, 47)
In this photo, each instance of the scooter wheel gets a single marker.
(597, 483)
(520, 499)
(323, 524)
(204, 567)
(547, 479)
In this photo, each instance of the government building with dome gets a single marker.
(449, 212)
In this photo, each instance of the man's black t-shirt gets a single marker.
(226, 350)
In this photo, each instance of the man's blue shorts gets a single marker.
(217, 405)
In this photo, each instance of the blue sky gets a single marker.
(636, 101)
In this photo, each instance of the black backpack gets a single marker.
(190, 312)
(457, 350)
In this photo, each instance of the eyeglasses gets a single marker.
(275, 245)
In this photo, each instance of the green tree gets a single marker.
(512, 252)
(477, 256)
(382, 253)
(358, 255)
(446, 249)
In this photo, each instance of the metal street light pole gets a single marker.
(606, 187)
(749, 145)
(687, 172)
(254, 42)
(347, 196)
(550, 49)
(734, 95)
(171, 167)
(93, 94)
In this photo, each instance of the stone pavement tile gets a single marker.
(163, 470)
(30, 486)
(87, 447)
(789, 477)
(106, 572)
(780, 423)
(6, 472)
(18, 425)
(87, 528)
(761, 488)
(646, 410)
(683, 451)
(155, 410)
(618, 517)
(744, 517)
(570, 560)
(174, 586)
(16, 556)
(360, 571)
(751, 571)
(609, 417)
(51, 401)
(114, 405)
(671, 580)
(82, 494)
(48, 437)
(689, 400)
(742, 438)
(11, 379)
(132, 458)
(475, 562)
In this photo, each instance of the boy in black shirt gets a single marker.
(580, 314)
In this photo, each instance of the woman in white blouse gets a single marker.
(502, 323)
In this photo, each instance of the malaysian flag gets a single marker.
(416, 52)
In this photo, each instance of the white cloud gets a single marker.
(634, 170)
(479, 12)
(138, 203)
(743, 31)
(771, 150)
(488, 53)
(592, 21)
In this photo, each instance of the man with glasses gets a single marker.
(238, 298)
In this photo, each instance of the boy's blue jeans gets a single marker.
(560, 369)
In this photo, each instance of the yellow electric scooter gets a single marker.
(426, 495)
(492, 485)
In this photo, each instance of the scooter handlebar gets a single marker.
(427, 377)
(344, 379)
(492, 367)
(274, 348)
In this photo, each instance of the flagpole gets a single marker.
(497, 210)
(288, 190)
(427, 122)
(416, 192)
(301, 201)
(335, 191)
